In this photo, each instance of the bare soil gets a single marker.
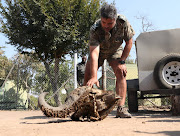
(158, 122)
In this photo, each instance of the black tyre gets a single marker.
(132, 101)
(167, 72)
(132, 88)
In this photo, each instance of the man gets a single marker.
(81, 70)
(106, 38)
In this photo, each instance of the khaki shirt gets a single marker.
(111, 42)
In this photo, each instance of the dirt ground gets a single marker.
(144, 123)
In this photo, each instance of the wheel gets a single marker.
(132, 101)
(132, 88)
(167, 72)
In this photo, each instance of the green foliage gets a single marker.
(33, 102)
(5, 66)
(42, 81)
(1, 51)
(52, 28)
(25, 68)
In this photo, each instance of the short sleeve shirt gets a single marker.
(81, 69)
(111, 42)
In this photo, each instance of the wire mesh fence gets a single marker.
(148, 100)
(27, 78)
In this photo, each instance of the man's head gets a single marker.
(108, 17)
(84, 58)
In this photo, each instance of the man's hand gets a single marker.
(121, 69)
(93, 81)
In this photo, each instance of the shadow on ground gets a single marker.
(48, 122)
(168, 133)
(152, 114)
(52, 120)
(36, 117)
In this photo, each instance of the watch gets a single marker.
(121, 62)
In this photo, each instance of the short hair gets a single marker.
(84, 57)
(108, 11)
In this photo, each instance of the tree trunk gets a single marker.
(54, 79)
(29, 102)
(28, 93)
(55, 87)
(175, 100)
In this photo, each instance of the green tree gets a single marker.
(42, 81)
(25, 67)
(52, 28)
(5, 66)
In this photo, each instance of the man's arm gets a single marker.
(94, 54)
(127, 49)
(125, 54)
(128, 34)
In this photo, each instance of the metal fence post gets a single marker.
(104, 75)
(17, 84)
(75, 70)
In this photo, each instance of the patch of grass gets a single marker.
(132, 71)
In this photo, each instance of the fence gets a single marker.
(26, 79)
(132, 73)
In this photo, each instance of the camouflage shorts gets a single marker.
(108, 57)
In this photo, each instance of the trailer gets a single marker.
(158, 61)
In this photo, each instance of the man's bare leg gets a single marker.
(121, 85)
(121, 89)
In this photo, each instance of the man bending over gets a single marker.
(106, 38)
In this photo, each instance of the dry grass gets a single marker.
(132, 71)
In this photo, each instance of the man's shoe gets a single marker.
(122, 112)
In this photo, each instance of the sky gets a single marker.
(163, 14)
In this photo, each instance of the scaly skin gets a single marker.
(83, 102)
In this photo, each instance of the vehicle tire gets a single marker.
(132, 101)
(167, 72)
(132, 88)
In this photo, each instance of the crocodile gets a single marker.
(82, 103)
